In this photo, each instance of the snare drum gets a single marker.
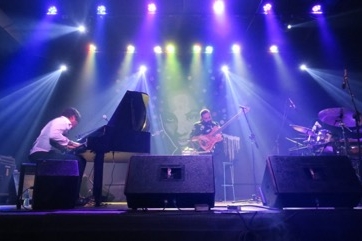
(324, 136)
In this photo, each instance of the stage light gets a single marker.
(209, 49)
(151, 7)
(219, 6)
(225, 68)
(235, 48)
(81, 29)
(101, 10)
(267, 8)
(196, 48)
(289, 26)
(131, 49)
(170, 48)
(274, 49)
(92, 48)
(157, 50)
(63, 68)
(303, 67)
(317, 9)
(143, 69)
(52, 10)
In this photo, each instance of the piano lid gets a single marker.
(131, 113)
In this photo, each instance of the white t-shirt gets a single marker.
(55, 131)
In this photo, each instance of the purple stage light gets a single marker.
(267, 8)
(151, 7)
(219, 6)
(317, 9)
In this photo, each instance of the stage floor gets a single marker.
(244, 220)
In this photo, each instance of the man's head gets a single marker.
(205, 115)
(73, 115)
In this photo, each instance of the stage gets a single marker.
(244, 220)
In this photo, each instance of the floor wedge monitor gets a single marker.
(310, 181)
(55, 184)
(170, 182)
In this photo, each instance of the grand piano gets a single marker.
(126, 133)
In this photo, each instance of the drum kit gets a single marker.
(337, 137)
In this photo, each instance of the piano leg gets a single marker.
(98, 178)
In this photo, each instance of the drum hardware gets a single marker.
(302, 129)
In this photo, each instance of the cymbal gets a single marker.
(303, 130)
(338, 116)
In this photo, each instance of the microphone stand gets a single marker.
(285, 114)
(253, 141)
(357, 117)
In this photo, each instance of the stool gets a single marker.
(25, 169)
(231, 183)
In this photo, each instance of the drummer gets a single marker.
(322, 140)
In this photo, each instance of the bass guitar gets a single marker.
(207, 142)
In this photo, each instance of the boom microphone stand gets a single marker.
(253, 142)
(357, 117)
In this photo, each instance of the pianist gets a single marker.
(52, 142)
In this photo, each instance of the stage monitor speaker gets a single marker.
(55, 184)
(170, 182)
(310, 181)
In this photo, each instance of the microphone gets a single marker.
(291, 103)
(345, 78)
(105, 118)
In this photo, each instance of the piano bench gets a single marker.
(25, 169)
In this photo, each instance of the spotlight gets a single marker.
(267, 8)
(225, 68)
(151, 7)
(303, 67)
(63, 68)
(317, 9)
(101, 10)
(92, 48)
(197, 48)
(209, 49)
(81, 29)
(143, 69)
(131, 49)
(219, 6)
(170, 48)
(52, 10)
(274, 49)
(157, 50)
(235, 48)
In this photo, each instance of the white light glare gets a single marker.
(219, 6)
(267, 8)
(81, 29)
(209, 49)
(101, 10)
(131, 49)
(63, 68)
(235, 48)
(317, 9)
(143, 69)
(303, 67)
(273, 49)
(225, 68)
(151, 7)
(52, 10)
(157, 50)
(197, 48)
